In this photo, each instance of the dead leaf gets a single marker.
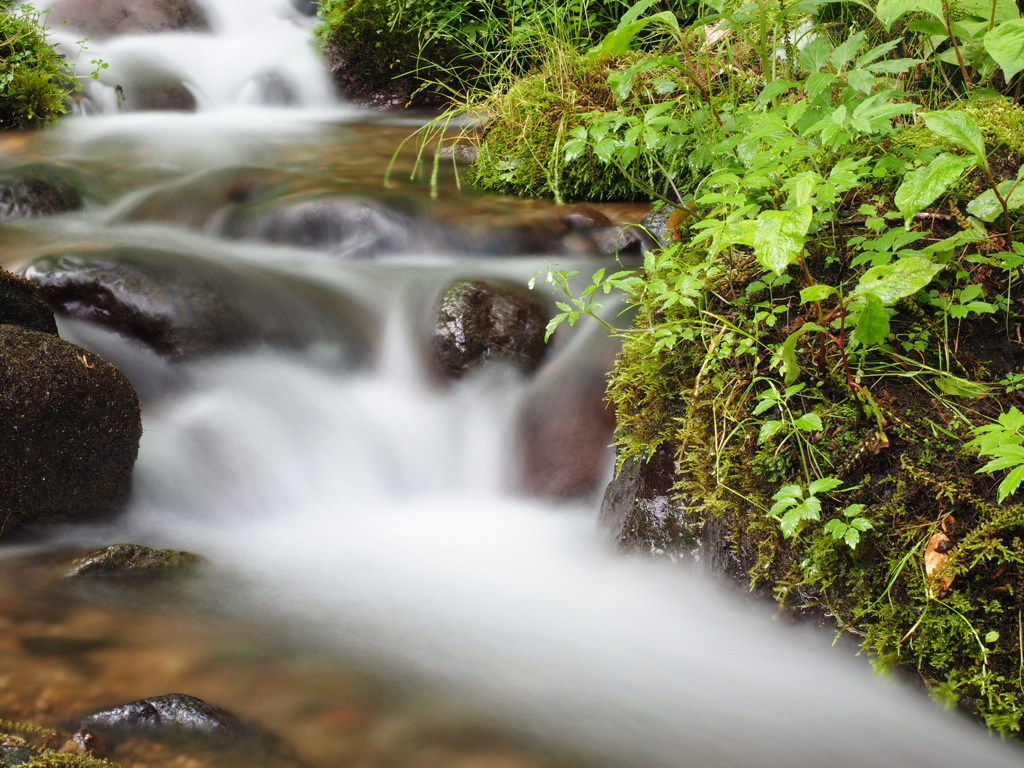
(936, 562)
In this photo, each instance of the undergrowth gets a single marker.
(33, 80)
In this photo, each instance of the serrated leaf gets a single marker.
(852, 537)
(768, 430)
(845, 52)
(1011, 483)
(892, 282)
(1005, 44)
(872, 326)
(861, 80)
(779, 236)
(815, 54)
(958, 128)
(923, 187)
(809, 422)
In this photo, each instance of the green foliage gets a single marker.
(1004, 442)
(33, 84)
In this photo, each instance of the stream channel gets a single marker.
(381, 589)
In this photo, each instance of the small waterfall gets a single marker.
(375, 508)
(257, 53)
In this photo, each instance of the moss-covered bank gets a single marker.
(33, 82)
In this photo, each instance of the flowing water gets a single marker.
(376, 566)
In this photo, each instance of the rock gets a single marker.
(132, 559)
(177, 718)
(638, 510)
(478, 322)
(584, 217)
(658, 225)
(347, 226)
(71, 425)
(306, 7)
(621, 241)
(12, 755)
(185, 307)
(21, 305)
(23, 196)
(99, 19)
(566, 427)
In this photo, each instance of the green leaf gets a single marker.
(1005, 44)
(845, 52)
(958, 128)
(987, 207)
(809, 422)
(823, 485)
(1010, 484)
(888, 11)
(768, 430)
(902, 278)
(923, 187)
(816, 292)
(861, 80)
(815, 54)
(954, 386)
(872, 322)
(779, 236)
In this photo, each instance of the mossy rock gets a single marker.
(132, 560)
(71, 424)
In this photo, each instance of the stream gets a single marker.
(381, 588)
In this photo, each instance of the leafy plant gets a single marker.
(795, 506)
(1004, 442)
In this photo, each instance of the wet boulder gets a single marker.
(177, 718)
(661, 223)
(23, 195)
(21, 305)
(479, 322)
(71, 425)
(351, 227)
(99, 19)
(134, 560)
(565, 428)
(183, 306)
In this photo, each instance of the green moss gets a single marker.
(33, 84)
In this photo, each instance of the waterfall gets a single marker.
(375, 509)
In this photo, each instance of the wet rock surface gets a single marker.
(176, 718)
(71, 425)
(22, 196)
(479, 322)
(21, 305)
(350, 227)
(566, 427)
(99, 19)
(132, 559)
(184, 306)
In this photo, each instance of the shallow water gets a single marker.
(381, 589)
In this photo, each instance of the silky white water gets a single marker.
(378, 511)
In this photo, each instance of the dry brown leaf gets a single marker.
(936, 562)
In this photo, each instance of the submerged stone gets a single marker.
(479, 322)
(132, 559)
(23, 196)
(12, 755)
(71, 426)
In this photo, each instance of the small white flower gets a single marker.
(532, 283)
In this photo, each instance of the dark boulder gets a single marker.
(184, 307)
(25, 195)
(71, 425)
(132, 559)
(21, 305)
(177, 718)
(478, 322)
(99, 19)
